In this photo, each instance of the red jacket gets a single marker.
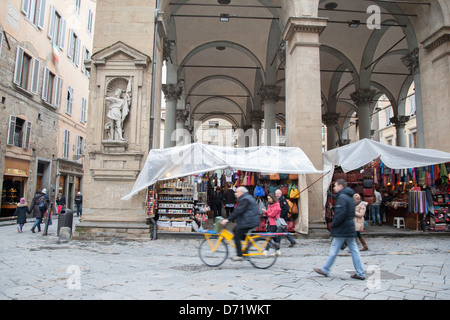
(273, 212)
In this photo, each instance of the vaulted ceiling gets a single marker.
(224, 63)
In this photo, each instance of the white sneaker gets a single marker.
(278, 252)
(237, 258)
(265, 253)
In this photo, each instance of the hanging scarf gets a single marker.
(432, 175)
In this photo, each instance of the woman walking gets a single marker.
(360, 211)
(273, 213)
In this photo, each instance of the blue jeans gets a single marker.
(375, 210)
(336, 245)
(37, 223)
(79, 210)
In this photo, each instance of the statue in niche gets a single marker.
(118, 109)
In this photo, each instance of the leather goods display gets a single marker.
(368, 183)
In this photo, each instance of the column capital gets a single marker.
(172, 91)
(167, 49)
(182, 115)
(399, 121)
(303, 24)
(269, 93)
(411, 61)
(256, 116)
(330, 119)
(282, 53)
(363, 97)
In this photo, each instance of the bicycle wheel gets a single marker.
(262, 254)
(212, 253)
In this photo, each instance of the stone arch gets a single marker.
(229, 44)
(218, 98)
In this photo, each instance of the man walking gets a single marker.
(375, 208)
(79, 203)
(343, 230)
(285, 215)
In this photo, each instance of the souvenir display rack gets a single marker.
(440, 221)
(175, 205)
(152, 201)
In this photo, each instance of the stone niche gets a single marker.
(118, 135)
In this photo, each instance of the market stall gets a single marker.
(414, 180)
(187, 164)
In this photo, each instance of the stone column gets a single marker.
(399, 123)
(182, 134)
(363, 100)
(411, 61)
(331, 120)
(269, 97)
(172, 92)
(256, 117)
(303, 107)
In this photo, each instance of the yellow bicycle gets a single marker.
(258, 248)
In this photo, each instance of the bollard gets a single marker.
(65, 220)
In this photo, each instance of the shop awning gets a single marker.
(360, 153)
(355, 155)
(169, 163)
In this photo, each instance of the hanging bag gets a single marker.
(259, 192)
(274, 176)
(293, 192)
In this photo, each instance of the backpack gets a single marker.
(293, 208)
(42, 205)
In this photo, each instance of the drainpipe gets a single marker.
(152, 97)
(154, 235)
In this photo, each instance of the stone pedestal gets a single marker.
(113, 163)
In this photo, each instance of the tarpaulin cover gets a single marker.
(355, 155)
(169, 163)
(360, 153)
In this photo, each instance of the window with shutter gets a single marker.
(51, 88)
(27, 136)
(57, 28)
(26, 71)
(83, 110)
(35, 78)
(11, 130)
(74, 48)
(69, 100)
(19, 132)
(66, 144)
(34, 11)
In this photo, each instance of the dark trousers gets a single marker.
(228, 211)
(217, 210)
(239, 234)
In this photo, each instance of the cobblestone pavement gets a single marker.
(33, 266)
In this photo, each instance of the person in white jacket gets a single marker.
(360, 211)
(375, 209)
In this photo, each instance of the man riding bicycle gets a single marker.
(247, 217)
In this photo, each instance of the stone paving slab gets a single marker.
(416, 268)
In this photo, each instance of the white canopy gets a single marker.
(169, 163)
(357, 154)
(362, 152)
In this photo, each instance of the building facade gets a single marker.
(44, 97)
(307, 62)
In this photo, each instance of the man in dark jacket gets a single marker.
(247, 217)
(34, 208)
(343, 229)
(284, 214)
